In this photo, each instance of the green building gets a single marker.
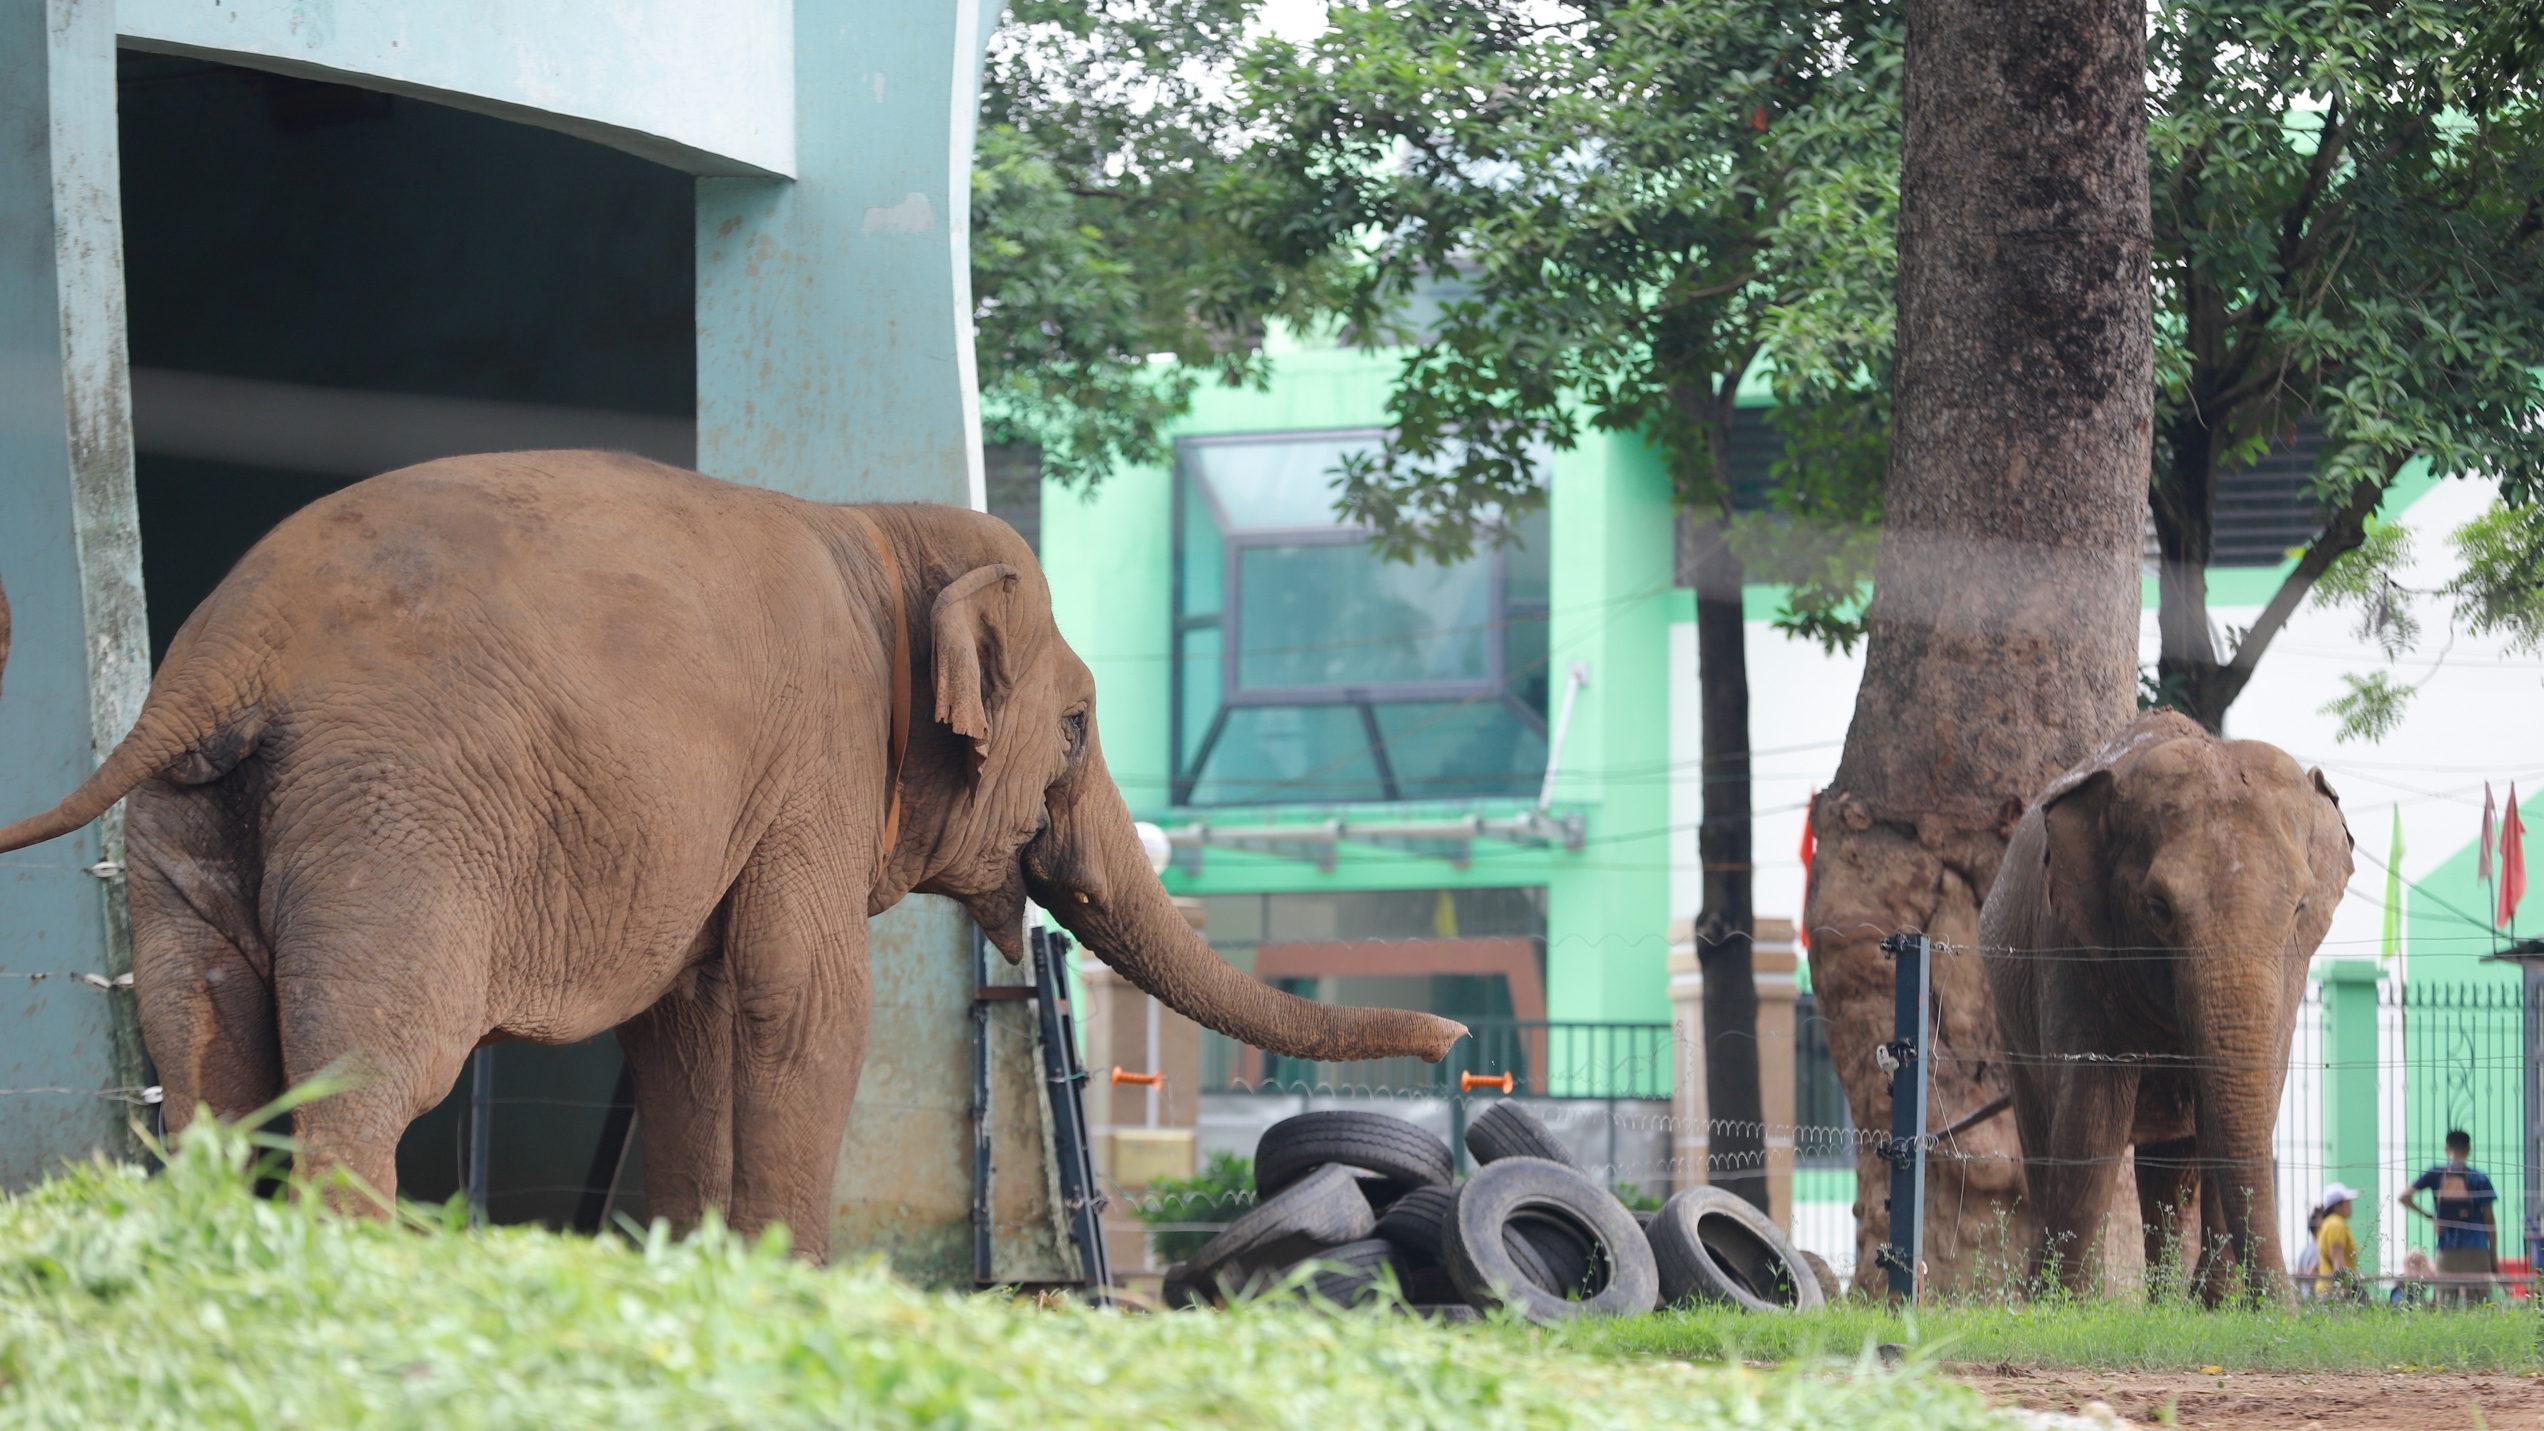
(1264, 675)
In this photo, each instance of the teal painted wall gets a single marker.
(834, 312)
(1607, 925)
(1109, 555)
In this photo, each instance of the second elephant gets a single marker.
(2147, 941)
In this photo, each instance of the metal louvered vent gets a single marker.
(2265, 511)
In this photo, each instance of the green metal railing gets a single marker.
(1543, 1059)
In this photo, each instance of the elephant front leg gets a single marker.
(681, 1054)
(796, 951)
(2085, 1121)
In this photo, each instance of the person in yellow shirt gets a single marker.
(2337, 1246)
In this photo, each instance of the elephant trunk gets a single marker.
(1089, 870)
(2238, 1015)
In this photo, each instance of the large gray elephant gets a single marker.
(2147, 941)
(533, 745)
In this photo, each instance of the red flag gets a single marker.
(1810, 847)
(2512, 862)
(2482, 862)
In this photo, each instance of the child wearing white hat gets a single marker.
(2337, 1245)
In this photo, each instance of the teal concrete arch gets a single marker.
(832, 144)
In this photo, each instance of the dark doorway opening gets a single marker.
(326, 282)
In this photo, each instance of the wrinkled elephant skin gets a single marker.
(533, 745)
(2147, 941)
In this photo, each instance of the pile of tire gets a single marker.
(1365, 1201)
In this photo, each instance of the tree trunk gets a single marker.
(2004, 623)
(2184, 503)
(1727, 919)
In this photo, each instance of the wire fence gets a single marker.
(2375, 1078)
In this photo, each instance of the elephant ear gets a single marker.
(2076, 848)
(970, 626)
(2324, 788)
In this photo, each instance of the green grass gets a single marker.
(2118, 1335)
(181, 1299)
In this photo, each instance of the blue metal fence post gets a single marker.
(1912, 958)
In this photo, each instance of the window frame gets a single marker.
(1228, 621)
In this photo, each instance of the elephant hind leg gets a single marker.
(388, 994)
(207, 1010)
(2168, 1208)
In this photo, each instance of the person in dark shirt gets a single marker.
(2467, 1235)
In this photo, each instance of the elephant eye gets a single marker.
(1073, 731)
(2157, 910)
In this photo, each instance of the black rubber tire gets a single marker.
(1429, 1286)
(1446, 1312)
(1177, 1291)
(1356, 1272)
(1713, 1247)
(1416, 1222)
(1831, 1290)
(1622, 1281)
(1322, 1210)
(1563, 1250)
(1507, 1130)
(1406, 1156)
(1524, 1255)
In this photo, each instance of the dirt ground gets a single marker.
(2248, 1401)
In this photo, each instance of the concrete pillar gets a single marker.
(835, 363)
(70, 555)
(1691, 1135)
(2350, 1092)
(1773, 965)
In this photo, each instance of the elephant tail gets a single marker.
(183, 717)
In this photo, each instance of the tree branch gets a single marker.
(2340, 536)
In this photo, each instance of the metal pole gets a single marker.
(1065, 1081)
(2531, 981)
(984, 1262)
(1156, 1058)
(1905, 1149)
(481, 1130)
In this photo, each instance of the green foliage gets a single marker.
(2509, 56)
(2368, 578)
(1637, 1200)
(1600, 213)
(1223, 1188)
(1100, 244)
(183, 1300)
(2335, 237)
(2120, 1334)
(2371, 710)
(2497, 591)
(2500, 591)
(2347, 230)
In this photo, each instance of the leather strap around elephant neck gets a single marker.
(895, 611)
